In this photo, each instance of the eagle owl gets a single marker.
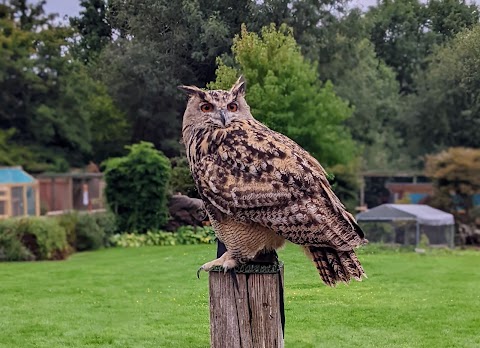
(260, 188)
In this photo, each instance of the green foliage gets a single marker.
(195, 235)
(184, 235)
(12, 154)
(88, 231)
(69, 222)
(89, 235)
(137, 187)
(133, 240)
(55, 114)
(40, 238)
(405, 31)
(181, 179)
(148, 60)
(93, 28)
(108, 224)
(11, 247)
(371, 88)
(448, 98)
(285, 93)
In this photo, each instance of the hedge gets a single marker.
(32, 238)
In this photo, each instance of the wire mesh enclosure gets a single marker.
(408, 224)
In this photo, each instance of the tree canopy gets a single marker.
(285, 93)
(378, 88)
(446, 110)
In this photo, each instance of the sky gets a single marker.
(72, 7)
(63, 7)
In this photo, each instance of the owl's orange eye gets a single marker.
(207, 107)
(233, 107)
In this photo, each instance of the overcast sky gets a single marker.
(72, 7)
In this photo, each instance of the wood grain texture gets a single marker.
(247, 317)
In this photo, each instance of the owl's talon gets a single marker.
(198, 272)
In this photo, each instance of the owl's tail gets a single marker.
(336, 266)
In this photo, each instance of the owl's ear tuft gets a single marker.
(239, 87)
(192, 90)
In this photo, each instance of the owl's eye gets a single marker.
(233, 107)
(207, 107)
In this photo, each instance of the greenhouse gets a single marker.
(408, 224)
(19, 194)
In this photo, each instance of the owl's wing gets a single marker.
(264, 177)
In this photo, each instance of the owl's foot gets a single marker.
(225, 261)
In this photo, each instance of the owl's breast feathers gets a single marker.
(254, 174)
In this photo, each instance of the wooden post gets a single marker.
(246, 306)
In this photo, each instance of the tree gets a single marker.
(371, 88)
(401, 37)
(55, 109)
(455, 175)
(404, 32)
(285, 93)
(161, 45)
(93, 29)
(446, 111)
(137, 187)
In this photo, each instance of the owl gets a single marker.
(261, 189)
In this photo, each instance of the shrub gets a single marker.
(137, 188)
(107, 222)
(11, 247)
(89, 235)
(195, 235)
(184, 235)
(129, 240)
(69, 222)
(44, 237)
(181, 179)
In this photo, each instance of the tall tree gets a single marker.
(404, 32)
(163, 44)
(372, 90)
(47, 97)
(446, 111)
(93, 29)
(286, 94)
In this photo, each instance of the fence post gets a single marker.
(246, 306)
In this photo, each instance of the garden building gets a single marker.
(408, 224)
(19, 194)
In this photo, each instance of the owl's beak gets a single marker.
(223, 117)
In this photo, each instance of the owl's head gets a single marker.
(215, 109)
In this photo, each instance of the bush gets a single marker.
(184, 235)
(107, 222)
(137, 188)
(69, 222)
(11, 247)
(33, 238)
(129, 240)
(89, 235)
(193, 235)
(88, 231)
(181, 180)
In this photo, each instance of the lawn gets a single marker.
(150, 297)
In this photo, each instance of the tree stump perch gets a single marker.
(246, 306)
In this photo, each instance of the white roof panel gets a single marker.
(422, 213)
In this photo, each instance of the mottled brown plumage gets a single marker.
(260, 188)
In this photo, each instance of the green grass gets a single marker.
(150, 297)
